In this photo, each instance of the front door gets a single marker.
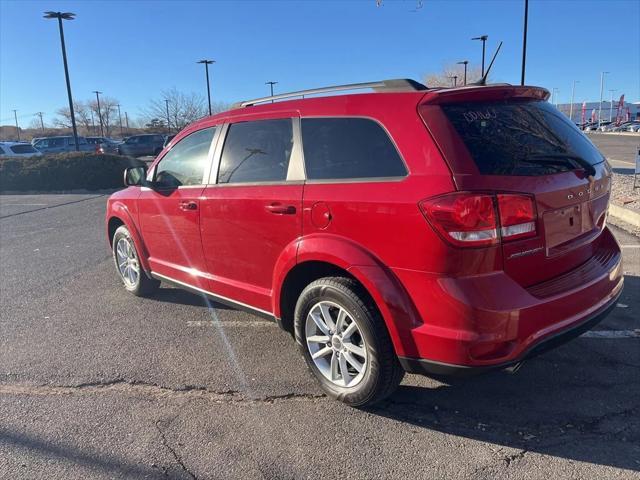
(253, 211)
(169, 212)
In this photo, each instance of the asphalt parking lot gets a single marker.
(95, 383)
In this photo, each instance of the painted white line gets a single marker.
(230, 323)
(630, 246)
(612, 334)
(620, 161)
(24, 204)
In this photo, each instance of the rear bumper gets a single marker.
(484, 322)
(432, 367)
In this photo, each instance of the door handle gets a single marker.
(280, 209)
(188, 205)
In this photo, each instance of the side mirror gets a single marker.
(135, 176)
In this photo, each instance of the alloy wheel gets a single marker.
(336, 344)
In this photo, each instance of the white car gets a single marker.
(18, 149)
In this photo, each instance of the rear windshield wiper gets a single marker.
(590, 169)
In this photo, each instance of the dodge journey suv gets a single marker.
(411, 229)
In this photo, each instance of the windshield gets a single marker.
(521, 138)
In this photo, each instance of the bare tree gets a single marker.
(445, 78)
(109, 112)
(81, 112)
(184, 108)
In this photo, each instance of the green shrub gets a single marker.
(65, 171)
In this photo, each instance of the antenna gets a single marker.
(483, 80)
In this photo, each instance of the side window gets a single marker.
(57, 142)
(185, 163)
(257, 151)
(339, 148)
(42, 144)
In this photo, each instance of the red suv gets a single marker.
(411, 229)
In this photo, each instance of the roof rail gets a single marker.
(401, 84)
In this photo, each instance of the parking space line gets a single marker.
(637, 245)
(612, 334)
(231, 323)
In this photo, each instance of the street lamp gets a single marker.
(15, 114)
(120, 119)
(166, 102)
(66, 16)
(483, 39)
(573, 91)
(455, 80)
(465, 63)
(611, 106)
(206, 69)
(271, 84)
(99, 112)
(602, 74)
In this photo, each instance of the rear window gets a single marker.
(348, 148)
(26, 148)
(520, 138)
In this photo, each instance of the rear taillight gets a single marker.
(480, 219)
(517, 216)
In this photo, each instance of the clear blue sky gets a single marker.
(131, 50)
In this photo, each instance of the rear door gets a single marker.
(252, 209)
(525, 145)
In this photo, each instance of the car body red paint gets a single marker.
(448, 305)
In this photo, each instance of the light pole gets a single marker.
(483, 39)
(555, 96)
(126, 119)
(271, 84)
(166, 102)
(465, 63)
(455, 80)
(524, 39)
(40, 114)
(99, 112)
(15, 115)
(611, 106)
(573, 91)
(602, 74)
(66, 16)
(206, 69)
(120, 119)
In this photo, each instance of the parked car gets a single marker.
(142, 145)
(167, 140)
(18, 149)
(62, 144)
(405, 230)
(604, 126)
(633, 127)
(103, 144)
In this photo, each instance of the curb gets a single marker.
(625, 214)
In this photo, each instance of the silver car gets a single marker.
(62, 144)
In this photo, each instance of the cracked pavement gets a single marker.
(95, 383)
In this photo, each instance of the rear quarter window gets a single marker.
(348, 148)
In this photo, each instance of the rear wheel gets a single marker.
(127, 262)
(345, 342)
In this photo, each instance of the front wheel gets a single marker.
(345, 343)
(127, 262)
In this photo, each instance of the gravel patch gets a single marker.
(623, 193)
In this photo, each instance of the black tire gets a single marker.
(383, 372)
(144, 286)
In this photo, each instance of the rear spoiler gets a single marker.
(479, 93)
